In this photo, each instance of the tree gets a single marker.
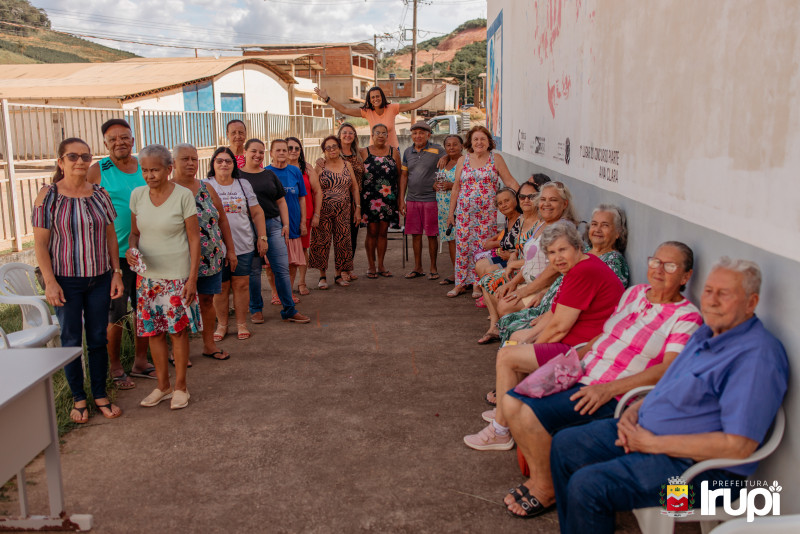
(22, 12)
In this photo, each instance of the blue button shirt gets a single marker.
(732, 383)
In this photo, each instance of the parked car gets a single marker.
(450, 124)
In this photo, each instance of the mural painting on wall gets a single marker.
(494, 62)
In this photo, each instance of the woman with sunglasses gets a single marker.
(313, 200)
(338, 187)
(78, 254)
(379, 198)
(241, 207)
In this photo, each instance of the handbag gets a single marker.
(559, 374)
(250, 217)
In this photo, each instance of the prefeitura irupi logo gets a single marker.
(677, 498)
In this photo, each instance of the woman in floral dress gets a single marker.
(445, 177)
(474, 213)
(379, 197)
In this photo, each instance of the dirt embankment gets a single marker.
(446, 49)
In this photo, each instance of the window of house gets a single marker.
(198, 97)
(401, 85)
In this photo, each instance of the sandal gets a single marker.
(82, 417)
(213, 355)
(476, 293)
(244, 333)
(150, 372)
(123, 381)
(433, 276)
(386, 274)
(414, 274)
(108, 407)
(171, 361)
(372, 275)
(303, 292)
(531, 506)
(276, 300)
(221, 332)
(489, 396)
(447, 282)
(323, 283)
(339, 281)
(456, 291)
(352, 276)
(480, 303)
(488, 337)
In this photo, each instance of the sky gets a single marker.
(221, 24)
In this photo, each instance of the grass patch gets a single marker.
(356, 121)
(11, 320)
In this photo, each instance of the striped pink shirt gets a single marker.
(78, 242)
(638, 334)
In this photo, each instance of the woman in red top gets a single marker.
(378, 110)
(297, 158)
(588, 295)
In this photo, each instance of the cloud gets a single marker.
(227, 23)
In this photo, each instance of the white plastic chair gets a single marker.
(651, 521)
(788, 524)
(29, 338)
(18, 286)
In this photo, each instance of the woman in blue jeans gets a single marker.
(270, 194)
(77, 251)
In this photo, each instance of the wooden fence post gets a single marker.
(12, 184)
(139, 128)
(266, 127)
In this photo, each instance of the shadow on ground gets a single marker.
(351, 423)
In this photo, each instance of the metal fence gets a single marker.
(31, 134)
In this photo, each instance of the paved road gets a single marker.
(351, 423)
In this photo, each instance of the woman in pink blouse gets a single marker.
(378, 110)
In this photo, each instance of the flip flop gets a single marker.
(339, 281)
(107, 406)
(433, 276)
(372, 275)
(488, 338)
(486, 398)
(150, 372)
(123, 381)
(82, 412)
(303, 292)
(213, 355)
(386, 274)
(414, 274)
(447, 282)
(172, 363)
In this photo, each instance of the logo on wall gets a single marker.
(521, 136)
(562, 152)
(539, 146)
(676, 498)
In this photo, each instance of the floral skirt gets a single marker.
(161, 310)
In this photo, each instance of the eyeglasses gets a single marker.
(223, 161)
(293, 148)
(331, 148)
(528, 197)
(655, 263)
(380, 134)
(73, 157)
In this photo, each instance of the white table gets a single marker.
(28, 426)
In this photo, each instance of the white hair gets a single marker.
(157, 151)
(751, 273)
(181, 146)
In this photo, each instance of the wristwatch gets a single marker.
(263, 238)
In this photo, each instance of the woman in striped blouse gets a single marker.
(76, 249)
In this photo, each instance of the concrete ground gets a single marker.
(351, 423)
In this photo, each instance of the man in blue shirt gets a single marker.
(717, 400)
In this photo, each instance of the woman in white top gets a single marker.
(165, 231)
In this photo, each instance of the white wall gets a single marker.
(698, 104)
(167, 101)
(263, 90)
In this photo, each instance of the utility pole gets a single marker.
(414, 64)
(433, 67)
(375, 60)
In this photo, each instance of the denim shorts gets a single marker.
(209, 285)
(557, 411)
(242, 267)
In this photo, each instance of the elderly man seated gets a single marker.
(716, 400)
(649, 327)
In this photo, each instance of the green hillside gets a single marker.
(28, 45)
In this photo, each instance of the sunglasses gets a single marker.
(528, 197)
(294, 148)
(331, 148)
(223, 161)
(73, 157)
(655, 263)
